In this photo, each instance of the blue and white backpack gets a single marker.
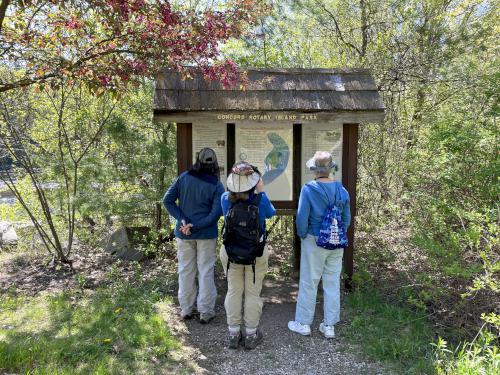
(332, 234)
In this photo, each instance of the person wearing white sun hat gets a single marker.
(318, 263)
(244, 279)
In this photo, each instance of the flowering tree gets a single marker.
(109, 44)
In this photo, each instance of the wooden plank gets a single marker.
(284, 100)
(358, 117)
(236, 100)
(265, 100)
(270, 79)
(296, 247)
(189, 100)
(359, 82)
(270, 100)
(297, 168)
(297, 162)
(170, 81)
(184, 147)
(166, 100)
(231, 147)
(349, 179)
(285, 212)
(340, 100)
(362, 100)
(284, 205)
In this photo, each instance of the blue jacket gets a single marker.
(198, 197)
(266, 208)
(313, 203)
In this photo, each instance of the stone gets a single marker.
(125, 243)
(8, 235)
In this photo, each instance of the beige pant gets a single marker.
(196, 259)
(239, 283)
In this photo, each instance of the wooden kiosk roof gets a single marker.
(301, 90)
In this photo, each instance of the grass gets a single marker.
(390, 333)
(114, 330)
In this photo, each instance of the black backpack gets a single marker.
(242, 236)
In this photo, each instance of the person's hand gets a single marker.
(259, 188)
(186, 229)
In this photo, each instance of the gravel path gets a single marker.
(282, 352)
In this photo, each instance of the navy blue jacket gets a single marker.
(195, 198)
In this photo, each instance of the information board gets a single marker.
(213, 136)
(269, 147)
(321, 137)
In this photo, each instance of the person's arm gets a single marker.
(269, 209)
(215, 211)
(170, 202)
(302, 219)
(346, 211)
(224, 202)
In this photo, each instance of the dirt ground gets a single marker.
(204, 347)
(282, 351)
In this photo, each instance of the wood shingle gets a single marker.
(305, 90)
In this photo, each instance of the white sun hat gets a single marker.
(242, 178)
(322, 161)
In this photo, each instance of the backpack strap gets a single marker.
(326, 193)
(256, 199)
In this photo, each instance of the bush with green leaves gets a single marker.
(84, 159)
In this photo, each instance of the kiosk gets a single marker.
(276, 119)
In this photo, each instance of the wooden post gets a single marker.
(296, 185)
(184, 147)
(231, 147)
(349, 178)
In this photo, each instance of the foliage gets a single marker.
(83, 159)
(108, 44)
(388, 332)
(475, 358)
(117, 329)
(432, 166)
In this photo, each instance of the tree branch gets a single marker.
(3, 9)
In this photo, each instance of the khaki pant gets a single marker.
(239, 283)
(196, 260)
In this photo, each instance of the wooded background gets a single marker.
(428, 184)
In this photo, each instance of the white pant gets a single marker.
(318, 263)
(196, 258)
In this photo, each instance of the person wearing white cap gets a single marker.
(194, 201)
(318, 263)
(244, 278)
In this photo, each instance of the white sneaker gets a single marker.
(302, 329)
(328, 331)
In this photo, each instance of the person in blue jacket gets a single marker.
(317, 263)
(194, 201)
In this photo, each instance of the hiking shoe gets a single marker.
(327, 331)
(251, 341)
(234, 340)
(206, 318)
(187, 316)
(302, 329)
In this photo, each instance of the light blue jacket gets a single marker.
(313, 202)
